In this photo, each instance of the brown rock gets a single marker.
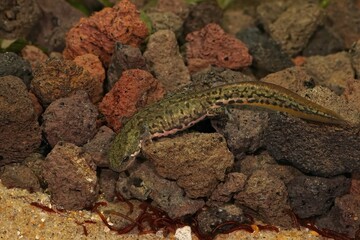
(98, 147)
(98, 33)
(266, 194)
(144, 183)
(166, 21)
(107, 182)
(234, 182)
(212, 46)
(71, 176)
(191, 158)
(163, 57)
(35, 162)
(235, 20)
(58, 78)
(33, 55)
(135, 89)
(36, 104)
(179, 7)
(19, 128)
(355, 58)
(19, 176)
(71, 119)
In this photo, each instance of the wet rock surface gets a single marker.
(71, 119)
(12, 64)
(203, 160)
(19, 128)
(71, 177)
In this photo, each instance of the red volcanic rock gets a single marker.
(98, 33)
(135, 89)
(212, 46)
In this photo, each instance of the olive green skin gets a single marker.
(183, 110)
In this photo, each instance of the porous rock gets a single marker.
(19, 128)
(191, 158)
(166, 21)
(33, 55)
(312, 196)
(267, 55)
(317, 149)
(235, 20)
(135, 89)
(107, 183)
(124, 57)
(57, 78)
(71, 119)
(212, 46)
(355, 58)
(35, 162)
(12, 64)
(294, 27)
(98, 33)
(98, 147)
(266, 194)
(164, 59)
(144, 183)
(178, 7)
(19, 176)
(71, 177)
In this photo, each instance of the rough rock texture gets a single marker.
(144, 183)
(19, 176)
(124, 57)
(19, 128)
(311, 196)
(107, 182)
(234, 182)
(235, 20)
(243, 130)
(196, 161)
(268, 12)
(71, 176)
(33, 55)
(98, 147)
(71, 119)
(57, 17)
(267, 55)
(323, 42)
(348, 27)
(202, 14)
(344, 216)
(164, 59)
(355, 58)
(294, 27)
(166, 21)
(317, 149)
(266, 194)
(98, 33)
(212, 46)
(12, 64)
(333, 71)
(35, 162)
(17, 18)
(36, 104)
(210, 218)
(179, 7)
(135, 89)
(58, 78)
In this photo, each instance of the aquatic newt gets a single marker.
(181, 111)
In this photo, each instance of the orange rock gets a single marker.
(98, 33)
(33, 54)
(212, 46)
(135, 89)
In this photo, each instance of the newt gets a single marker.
(181, 111)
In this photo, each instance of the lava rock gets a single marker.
(19, 128)
(311, 196)
(19, 176)
(71, 119)
(266, 194)
(166, 21)
(164, 59)
(33, 55)
(35, 162)
(267, 55)
(107, 183)
(57, 78)
(320, 150)
(333, 71)
(210, 218)
(294, 27)
(202, 14)
(18, 18)
(143, 183)
(124, 57)
(12, 64)
(98, 33)
(71, 177)
(212, 46)
(355, 58)
(178, 7)
(191, 158)
(268, 12)
(236, 20)
(98, 147)
(135, 89)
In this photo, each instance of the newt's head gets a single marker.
(125, 147)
